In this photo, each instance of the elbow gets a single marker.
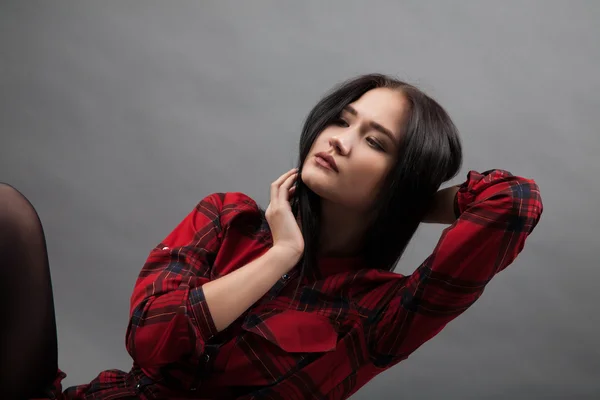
(138, 342)
(527, 207)
(153, 344)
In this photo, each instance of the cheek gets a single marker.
(364, 180)
(368, 173)
(321, 143)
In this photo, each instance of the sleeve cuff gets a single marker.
(201, 313)
(476, 184)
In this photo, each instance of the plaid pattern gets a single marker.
(346, 324)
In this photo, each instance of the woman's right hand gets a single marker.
(287, 236)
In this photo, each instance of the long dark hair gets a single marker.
(429, 154)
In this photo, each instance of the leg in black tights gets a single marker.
(28, 346)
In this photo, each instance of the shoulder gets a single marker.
(230, 206)
(224, 201)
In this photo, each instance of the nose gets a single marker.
(340, 145)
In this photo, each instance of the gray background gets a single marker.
(117, 117)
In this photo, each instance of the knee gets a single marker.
(9, 194)
(7, 188)
(14, 205)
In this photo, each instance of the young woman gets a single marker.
(298, 301)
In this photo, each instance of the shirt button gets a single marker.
(285, 277)
(206, 357)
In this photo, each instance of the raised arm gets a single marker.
(497, 212)
(176, 307)
(444, 209)
(169, 315)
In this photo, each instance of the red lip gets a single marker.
(329, 160)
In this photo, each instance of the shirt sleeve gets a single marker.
(169, 316)
(497, 211)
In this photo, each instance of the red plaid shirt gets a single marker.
(346, 324)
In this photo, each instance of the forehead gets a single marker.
(384, 106)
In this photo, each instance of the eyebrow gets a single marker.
(373, 124)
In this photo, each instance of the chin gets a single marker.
(324, 186)
(318, 182)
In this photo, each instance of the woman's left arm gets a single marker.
(444, 209)
(496, 213)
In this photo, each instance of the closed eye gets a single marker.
(375, 144)
(341, 122)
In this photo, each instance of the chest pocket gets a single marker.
(294, 331)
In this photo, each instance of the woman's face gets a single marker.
(363, 145)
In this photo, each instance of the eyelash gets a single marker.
(375, 144)
(372, 142)
(341, 121)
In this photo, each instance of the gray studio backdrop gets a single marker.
(116, 117)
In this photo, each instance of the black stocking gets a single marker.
(28, 346)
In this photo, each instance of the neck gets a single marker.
(342, 231)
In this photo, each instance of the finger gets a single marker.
(283, 177)
(277, 183)
(286, 185)
(291, 193)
